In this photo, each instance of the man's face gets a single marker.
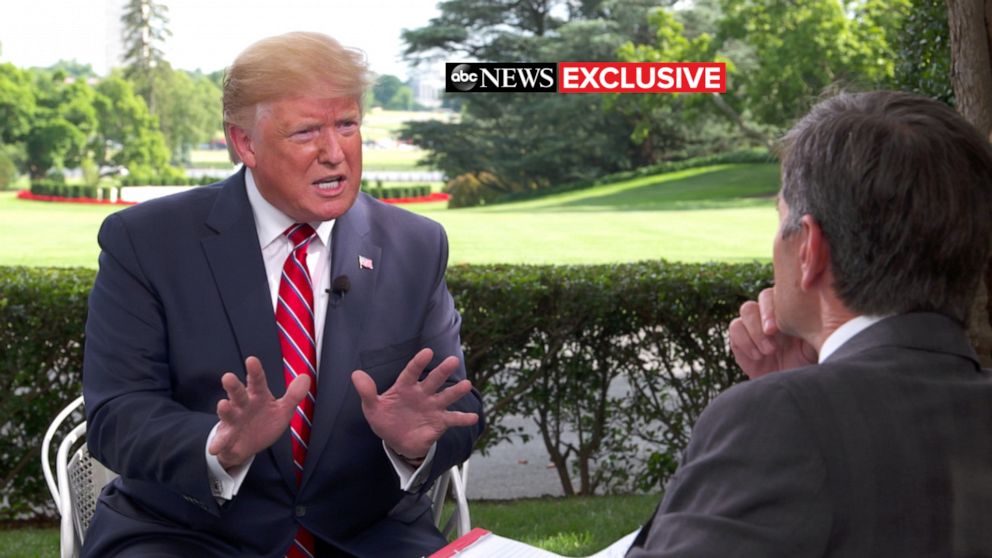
(305, 154)
(785, 264)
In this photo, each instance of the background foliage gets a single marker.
(623, 356)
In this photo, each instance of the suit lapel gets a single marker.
(235, 261)
(346, 316)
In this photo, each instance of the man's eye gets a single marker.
(308, 132)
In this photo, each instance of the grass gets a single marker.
(29, 543)
(571, 527)
(723, 213)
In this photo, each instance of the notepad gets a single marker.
(481, 543)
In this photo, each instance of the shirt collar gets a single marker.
(845, 332)
(271, 223)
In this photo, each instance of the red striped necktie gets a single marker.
(294, 318)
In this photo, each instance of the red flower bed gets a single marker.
(435, 197)
(27, 195)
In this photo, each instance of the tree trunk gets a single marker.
(970, 24)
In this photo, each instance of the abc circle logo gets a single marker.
(463, 77)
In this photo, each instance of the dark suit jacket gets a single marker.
(181, 297)
(883, 450)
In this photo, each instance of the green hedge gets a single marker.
(168, 180)
(42, 314)
(623, 356)
(56, 187)
(379, 192)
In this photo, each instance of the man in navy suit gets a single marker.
(183, 373)
(865, 428)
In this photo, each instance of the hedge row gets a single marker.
(414, 191)
(168, 180)
(613, 363)
(56, 187)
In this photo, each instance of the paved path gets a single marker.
(513, 470)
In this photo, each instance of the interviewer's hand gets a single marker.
(411, 415)
(758, 345)
(251, 418)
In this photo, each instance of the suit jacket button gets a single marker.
(301, 511)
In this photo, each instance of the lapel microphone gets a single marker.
(339, 286)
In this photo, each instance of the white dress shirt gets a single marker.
(276, 247)
(845, 332)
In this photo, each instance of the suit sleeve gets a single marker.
(134, 426)
(440, 332)
(752, 483)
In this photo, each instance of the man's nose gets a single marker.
(330, 148)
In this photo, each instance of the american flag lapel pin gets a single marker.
(364, 263)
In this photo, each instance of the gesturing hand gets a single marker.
(411, 415)
(251, 418)
(758, 345)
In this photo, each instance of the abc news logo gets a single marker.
(501, 78)
(586, 77)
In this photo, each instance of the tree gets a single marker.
(508, 143)
(189, 111)
(675, 124)
(923, 52)
(385, 88)
(17, 103)
(62, 124)
(970, 23)
(144, 30)
(802, 47)
(128, 134)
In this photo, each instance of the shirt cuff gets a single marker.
(224, 484)
(410, 479)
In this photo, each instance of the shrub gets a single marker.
(42, 315)
(624, 357)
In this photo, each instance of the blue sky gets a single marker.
(207, 34)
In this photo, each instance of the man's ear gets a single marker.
(814, 253)
(243, 145)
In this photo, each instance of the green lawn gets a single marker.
(723, 212)
(572, 527)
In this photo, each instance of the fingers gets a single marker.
(449, 396)
(255, 377)
(741, 342)
(411, 373)
(454, 419)
(766, 307)
(365, 386)
(296, 391)
(440, 374)
(236, 392)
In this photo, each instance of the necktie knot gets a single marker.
(300, 234)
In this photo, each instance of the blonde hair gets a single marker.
(285, 65)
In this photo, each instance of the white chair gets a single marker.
(78, 479)
(455, 481)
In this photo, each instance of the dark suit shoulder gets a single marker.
(173, 210)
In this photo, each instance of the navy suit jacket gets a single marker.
(883, 450)
(181, 297)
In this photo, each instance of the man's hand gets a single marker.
(411, 415)
(251, 419)
(758, 345)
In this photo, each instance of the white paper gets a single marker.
(495, 546)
